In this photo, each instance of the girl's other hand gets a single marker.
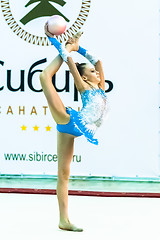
(46, 30)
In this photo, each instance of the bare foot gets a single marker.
(75, 38)
(78, 35)
(74, 41)
(69, 227)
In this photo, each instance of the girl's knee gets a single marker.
(63, 174)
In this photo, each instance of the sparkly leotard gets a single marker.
(91, 116)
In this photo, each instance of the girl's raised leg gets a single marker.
(56, 106)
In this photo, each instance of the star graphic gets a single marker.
(48, 128)
(35, 128)
(24, 128)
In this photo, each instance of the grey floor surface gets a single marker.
(35, 217)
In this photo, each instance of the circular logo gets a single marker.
(42, 9)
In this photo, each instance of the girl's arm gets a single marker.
(78, 81)
(96, 62)
(54, 66)
(99, 68)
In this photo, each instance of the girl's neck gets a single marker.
(93, 85)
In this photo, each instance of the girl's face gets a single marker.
(90, 74)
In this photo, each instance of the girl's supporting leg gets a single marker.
(65, 145)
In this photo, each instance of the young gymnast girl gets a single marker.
(90, 82)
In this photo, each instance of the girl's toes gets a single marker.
(78, 35)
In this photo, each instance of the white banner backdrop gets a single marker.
(125, 35)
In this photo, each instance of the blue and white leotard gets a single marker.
(91, 116)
